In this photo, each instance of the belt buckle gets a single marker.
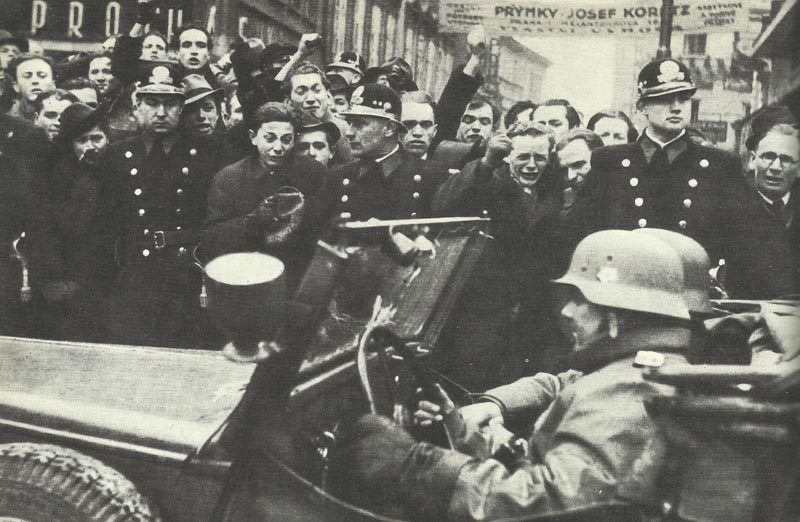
(159, 241)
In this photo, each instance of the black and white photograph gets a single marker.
(399, 260)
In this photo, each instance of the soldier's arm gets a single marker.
(526, 398)
(457, 93)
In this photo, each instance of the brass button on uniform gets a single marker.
(693, 183)
(626, 162)
(178, 228)
(638, 202)
(415, 195)
(634, 182)
(192, 152)
(704, 163)
(137, 192)
(682, 224)
(185, 170)
(346, 181)
(146, 231)
(134, 172)
(687, 202)
(642, 223)
(181, 251)
(417, 178)
(141, 212)
(345, 198)
(345, 215)
(179, 191)
(128, 154)
(145, 252)
(178, 210)
(413, 214)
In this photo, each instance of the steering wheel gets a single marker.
(382, 339)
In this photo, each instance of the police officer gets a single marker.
(664, 180)
(155, 203)
(595, 443)
(386, 182)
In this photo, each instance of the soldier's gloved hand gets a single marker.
(146, 11)
(378, 449)
(497, 148)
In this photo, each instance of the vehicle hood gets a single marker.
(156, 399)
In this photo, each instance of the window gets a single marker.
(694, 44)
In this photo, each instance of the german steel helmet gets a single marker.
(696, 266)
(662, 77)
(620, 269)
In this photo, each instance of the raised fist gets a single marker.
(497, 148)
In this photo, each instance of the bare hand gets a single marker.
(435, 408)
(498, 147)
(476, 41)
(308, 43)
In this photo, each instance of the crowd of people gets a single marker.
(124, 168)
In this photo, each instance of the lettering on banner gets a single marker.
(612, 17)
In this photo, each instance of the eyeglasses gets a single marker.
(770, 157)
(425, 124)
(468, 119)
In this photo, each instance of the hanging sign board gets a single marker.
(612, 17)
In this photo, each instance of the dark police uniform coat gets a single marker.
(363, 190)
(702, 194)
(23, 208)
(155, 207)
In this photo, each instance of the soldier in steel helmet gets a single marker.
(665, 180)
(623, 303)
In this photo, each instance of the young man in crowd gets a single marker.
(155, 202)
(557, 114)
(574, 151)
(664, 180)
(202, 107)
(86, 91)
(478, 122)
(49, 106)
(594, 444)
(99, 73)
(248, 207)
(317, 140)
(31, 75)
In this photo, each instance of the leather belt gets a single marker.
(161, 239)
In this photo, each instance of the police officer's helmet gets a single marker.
(619, 269)
(662, 77)
(696, 267)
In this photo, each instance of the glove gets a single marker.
(146, 11)
(289, 205)
(372, 458)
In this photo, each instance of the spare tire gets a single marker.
(45, 483)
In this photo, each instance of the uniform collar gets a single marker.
(168, 142)
(652, 338)
(389, 163)
(673, 147)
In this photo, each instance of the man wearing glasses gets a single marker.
(517, 185)
(664, 180)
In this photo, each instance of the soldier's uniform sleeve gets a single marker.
(525, 399)
(125, 58)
